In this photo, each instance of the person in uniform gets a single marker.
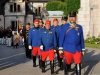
(64, 20)
(25, 33)
(71, 41)
(41, 23)
(48, 45)
(33, 42)
(56, 28)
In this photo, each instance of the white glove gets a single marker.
(83, 51)
(60, 52)
(41, 47)
(30, 47)
(55, 51)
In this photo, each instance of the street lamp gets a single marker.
(91, 19)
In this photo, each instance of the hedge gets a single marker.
(66, 6)
(56, 6)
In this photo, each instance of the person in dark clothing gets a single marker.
(4, 36)
(25, 35)
(1, 35)
(9, 36)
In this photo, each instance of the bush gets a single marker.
(56, 6)
(93, 40)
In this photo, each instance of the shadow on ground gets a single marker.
(10, 57)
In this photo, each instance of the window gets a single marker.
(18, 8)
(11, 8)
(14, 7)
(39, 8)
(36, 12)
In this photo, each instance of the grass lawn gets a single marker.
(92, 45)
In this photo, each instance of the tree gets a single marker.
(72, 5)
(56, 6)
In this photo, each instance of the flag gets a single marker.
(19, 25)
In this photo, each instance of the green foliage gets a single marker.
(52, 6)
(56, 6)
(63, 5)
(62, 0)
(72, 5)
(93, 40)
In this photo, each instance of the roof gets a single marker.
(2, 3)
(28, 10)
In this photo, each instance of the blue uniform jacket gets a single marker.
(73, 40)
(34, 36)
(48, 40)
(57, 32)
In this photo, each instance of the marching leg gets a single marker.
(70, 70)
(61, 63)
(65, 69)
(34, 61)
(43, 66)
(58, 60)
(40, 62)
(78, 69)
(52, 67)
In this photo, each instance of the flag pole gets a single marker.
(17, 22)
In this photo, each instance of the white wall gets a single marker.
(13, 18)
(22, 7)
(83, 17)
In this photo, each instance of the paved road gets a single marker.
(13, 62)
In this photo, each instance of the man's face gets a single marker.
(63, 21)
(55, 23)
(36, 24)
(27, 27)
(47, 26)
(72, 19)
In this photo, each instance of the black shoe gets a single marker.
(69, 68)
(34, 61)
(30, 57)
(26, 56)
(43, 69)
(34, 64)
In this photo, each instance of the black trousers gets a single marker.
(27, 50)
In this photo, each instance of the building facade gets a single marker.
(24, 11)
(89, 17)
